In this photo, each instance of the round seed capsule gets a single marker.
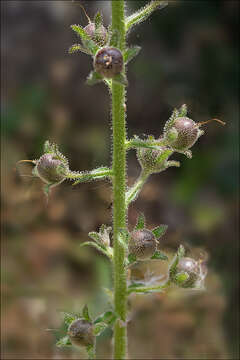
(108, 62)
(187, 133)
(80, 333)
(51, 169)
(142, 244)
(190, 267)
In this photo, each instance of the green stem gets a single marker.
(148, 144)
(136, 188)
(91, 176)
(119, 187)
(91, 351)
(143, 13)
(146, 289)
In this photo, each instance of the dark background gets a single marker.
(189, 55)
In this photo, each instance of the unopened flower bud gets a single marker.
(50, 169)
(187, 273)
(142, 244)
(80, 333)
(187, 132)
(108, 62)
(99, 36)
(148, 159)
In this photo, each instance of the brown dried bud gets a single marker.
(80, 333)
(142, 244)
(108, 62)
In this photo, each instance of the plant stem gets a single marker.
(136, 188)
(119, 187)
(91, 351)
(143, 13)
(146, 289)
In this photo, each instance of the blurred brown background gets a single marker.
(190, 55)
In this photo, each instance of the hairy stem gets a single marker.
(119, 187)
(146, 289)
(133, 192)
(91, 351)
(143, 13)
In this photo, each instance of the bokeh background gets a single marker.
(190, 55)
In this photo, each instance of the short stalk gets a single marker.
(147, 289)
(133, 192)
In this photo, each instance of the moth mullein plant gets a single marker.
(109, 53)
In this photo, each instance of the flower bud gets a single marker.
(80, 333)
(51, 169)
(187, 273)
(99, 36)
(148, 159)
(108, 62)
(142, 244)
(187, 133)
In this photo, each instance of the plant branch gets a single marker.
(149, 289)
(133, 192)
(143, 13)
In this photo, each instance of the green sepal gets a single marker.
(46, 190)
(108, 317)
(131, 259)
(159, 231)
(180, 253)
(80, 32)
(64, 341)
(69, 317)
(170, 122)
(130, 53)
(78, 47)
(140, 222)
(99, 328)
(120, 79)
(172, 135)
(158, 255)
(88, 42)
(94, 78)
(182, 111)
(52, 148)
(85, 313)
(98, 20)
(181, 277)
(164, 156)
(95, 236)
(99, 247)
